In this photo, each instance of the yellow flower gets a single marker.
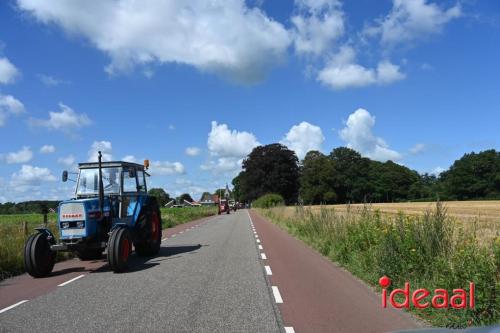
(413, 250)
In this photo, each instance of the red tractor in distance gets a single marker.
(223, 206)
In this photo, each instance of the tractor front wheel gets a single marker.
(119, 249)
(39, 259)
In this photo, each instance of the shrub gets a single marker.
(268, 201)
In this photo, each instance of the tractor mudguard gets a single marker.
(48, 233)
(118, 225)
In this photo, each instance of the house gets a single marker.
(208, 199)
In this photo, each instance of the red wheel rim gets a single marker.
(125, 249)
(155, 226)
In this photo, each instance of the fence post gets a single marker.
(25, 228)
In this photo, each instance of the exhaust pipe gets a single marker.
(101, 187)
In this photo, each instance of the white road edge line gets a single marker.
(258, 240)
(13, 306)
(263, 256)
(277, 295)
(268, 270)
(289, 329)
(164, 239)
(260, 247)
(69, 281)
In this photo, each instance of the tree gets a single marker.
(161, 196)
(236, 188)
(185, 196)
(473, 176)
(270, 169)
(317, 179)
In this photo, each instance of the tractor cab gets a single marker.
(123, 183)
(111, 209)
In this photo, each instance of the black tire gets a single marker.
(119, 249)
(39, 259)
(150, 242)
(89, 254)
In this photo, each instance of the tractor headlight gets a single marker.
(65, 225)
(80, 224)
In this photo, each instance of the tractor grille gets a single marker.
(72, 212)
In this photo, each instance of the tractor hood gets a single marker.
(78, 218)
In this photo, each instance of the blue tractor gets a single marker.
(111, 209)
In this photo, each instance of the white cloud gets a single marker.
(388, 73)
(31, 176)
(193, 151)
(342, 72)
(66, 120)
(359, 136)
(418, 148)
(106, 150)
(8, 72)
(130, 158)
(410, 20)
(437, 171)
(317, 26)
(67, 161)
(166, 168)
(225, 37)
(9, 106)
(47, 149)
(22, 156)
(224, 142)
(171, 127)
(304, 137)
(51, 81)
(229, 165)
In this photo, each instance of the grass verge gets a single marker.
(14, 230)
(430, 251)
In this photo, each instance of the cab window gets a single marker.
(140, 181)
(129, 180)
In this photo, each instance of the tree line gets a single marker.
(344, 176)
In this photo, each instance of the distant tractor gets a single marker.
(224, 207)
(111, 209)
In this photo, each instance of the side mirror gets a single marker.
(65, 176)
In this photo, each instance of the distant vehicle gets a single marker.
(224, 207)
(233, 205)
(111, 209)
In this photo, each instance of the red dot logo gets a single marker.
(384, 281)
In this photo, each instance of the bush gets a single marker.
(268, 201)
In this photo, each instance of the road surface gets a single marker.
(229, 273)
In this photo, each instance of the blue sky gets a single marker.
(413, 81)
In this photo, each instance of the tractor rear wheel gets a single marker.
(119, 249)
(89, 254)
(39, 259)
(150, 243)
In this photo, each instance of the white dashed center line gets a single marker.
(13, 306)
(69, 281)
(268, 270)
(263, 256)
(277, 295)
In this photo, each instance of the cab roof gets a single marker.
(111, 164)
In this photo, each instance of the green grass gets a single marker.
(430, 251)
(174, 216)
(14, 231)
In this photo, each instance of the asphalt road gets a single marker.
(207, 279)
(229, 273)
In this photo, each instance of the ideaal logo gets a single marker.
(440, 298)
